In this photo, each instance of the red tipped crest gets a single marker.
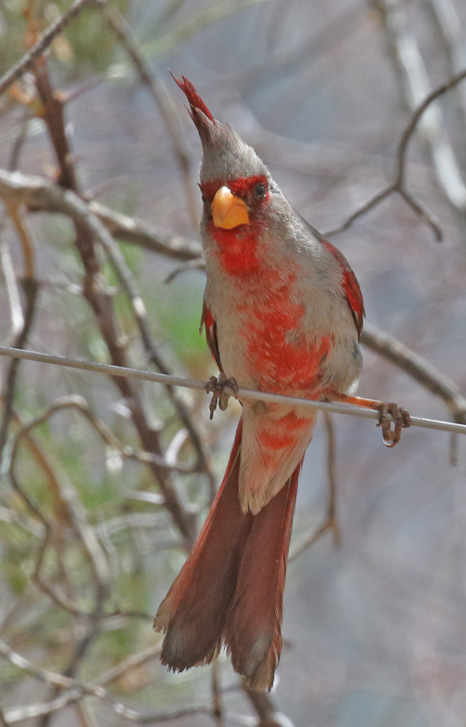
(195, 101)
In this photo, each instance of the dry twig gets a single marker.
(399, 175)
(27, 61)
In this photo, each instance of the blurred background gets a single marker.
(375, 629)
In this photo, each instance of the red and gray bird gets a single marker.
(283, 313)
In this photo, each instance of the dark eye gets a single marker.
(204, 199)
(260, 190)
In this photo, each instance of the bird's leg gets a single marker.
(399, 416)
(216, 386)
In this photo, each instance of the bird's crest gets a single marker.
(198, 110)
(225, 155)
(195, 101)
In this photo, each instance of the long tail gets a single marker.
(230, 590)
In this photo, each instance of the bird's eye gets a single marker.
(204, 199)
(260, 190)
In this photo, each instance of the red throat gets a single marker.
(237, 250)
(238, 247)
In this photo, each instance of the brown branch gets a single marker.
(135, 231)
(24, 237)
(17, 318)
(161, 99)
(448, 27)
(88, 228)
(12, 291)
(38, 709)
(12, 186)
(191, 265)
(140, 314)
(84, 715)
(73, 511)
(27, 61)
(79, 404)
(30, 289)
(332, 479)
(78, 689)
(87, 231)
(39, 195)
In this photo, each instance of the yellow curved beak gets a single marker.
(228, 211)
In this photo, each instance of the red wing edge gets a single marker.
(208, 322)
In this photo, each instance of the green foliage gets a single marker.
(86, 46)
(177, 308)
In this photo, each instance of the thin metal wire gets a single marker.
(246, 394)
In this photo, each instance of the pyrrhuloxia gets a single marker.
(283, 312)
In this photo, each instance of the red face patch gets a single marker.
(238, 246)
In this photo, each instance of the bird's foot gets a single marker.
(216, 386)
(391, 427)
(392, 418)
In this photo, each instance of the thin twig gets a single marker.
(415, 86)
(27, 61)
(145, 235)
(12, 291)
(38, 194)
(30, 289)
(73, 512)
(397, 185)
(161, 99)
(418, 368)
(78, 403)
(246, 394)
(449, 27)
(69, 203)
(78, 689)
(89, 230)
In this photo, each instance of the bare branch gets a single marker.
(408, 132)
(30, 289)
(418, 368)
(162, 100)
(246, 394)
(78, 689)
(40, 195)
(415, 86)
(145, 235)
(69, 499)
(399, 174)
(27, 61)
(15, 187)
(88, 230)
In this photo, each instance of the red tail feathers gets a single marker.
(230, 590)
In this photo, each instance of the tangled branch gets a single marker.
(398, 185)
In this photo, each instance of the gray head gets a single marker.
(224, 154)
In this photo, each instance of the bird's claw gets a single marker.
(400, 418)
(216, 386)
